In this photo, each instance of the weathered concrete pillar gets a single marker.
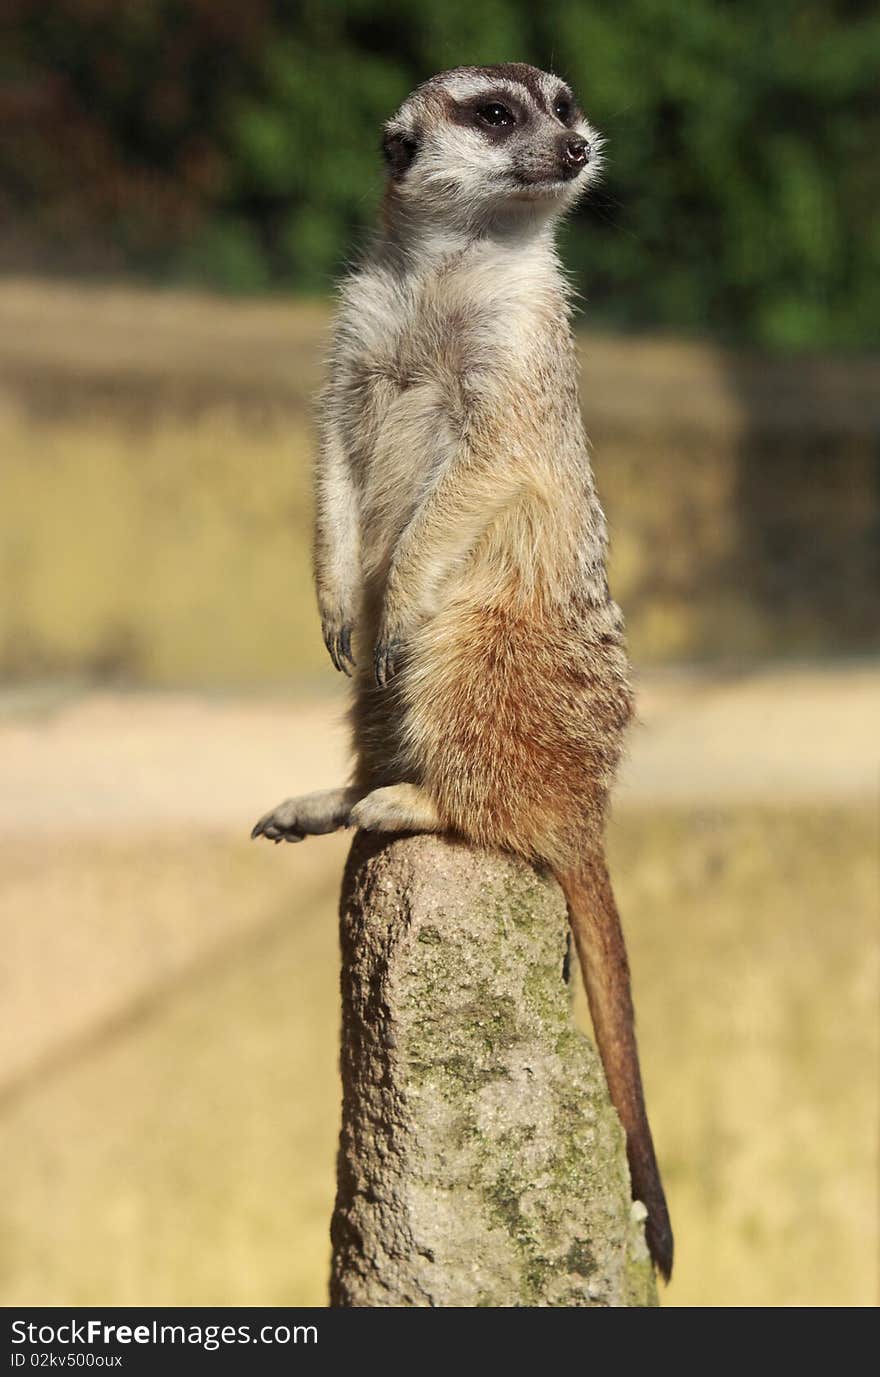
(480, 1163)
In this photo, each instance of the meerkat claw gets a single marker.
(385, 661)
(338, 643)
(348, 662)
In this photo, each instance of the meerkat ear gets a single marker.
(399, 149)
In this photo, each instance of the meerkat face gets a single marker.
(480, 141)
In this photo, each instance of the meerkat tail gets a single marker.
(598, 936)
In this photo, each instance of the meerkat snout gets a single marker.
(575, 156)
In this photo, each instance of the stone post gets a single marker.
(480, 1161)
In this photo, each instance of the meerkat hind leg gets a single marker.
(396, 808)
(308, 815)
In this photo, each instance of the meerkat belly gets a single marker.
(411, 443)
(515, 706)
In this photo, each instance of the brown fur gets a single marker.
(602, 953)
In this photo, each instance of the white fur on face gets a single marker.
(459, 176)
(464, 85)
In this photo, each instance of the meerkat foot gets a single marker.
(309, 815)
(396, 808)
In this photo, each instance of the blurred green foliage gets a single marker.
(235, 145)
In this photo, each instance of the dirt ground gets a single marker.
(771, 734)
(168, 1030)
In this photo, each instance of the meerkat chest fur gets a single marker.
(472, 348)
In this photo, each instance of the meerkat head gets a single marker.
(483, 144)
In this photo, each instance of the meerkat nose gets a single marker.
(575, 155)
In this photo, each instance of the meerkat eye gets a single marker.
(495, 114)
(562, 108)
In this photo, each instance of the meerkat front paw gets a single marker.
(337, 638)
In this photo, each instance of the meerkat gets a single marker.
(460, 547)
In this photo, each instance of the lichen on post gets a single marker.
(481, 1162)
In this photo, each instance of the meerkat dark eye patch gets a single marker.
(399, 152)
(495, 115)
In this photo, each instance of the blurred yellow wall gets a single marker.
(156, 516)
